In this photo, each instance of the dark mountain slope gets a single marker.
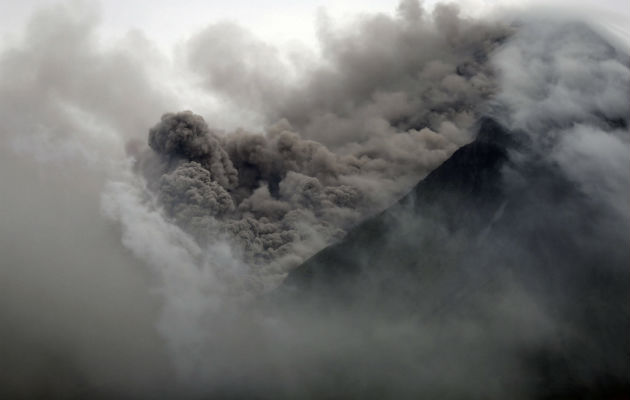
(500, 236)
(459, 197)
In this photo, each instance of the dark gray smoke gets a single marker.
(187, 136)
(392, 98)
(273, 193)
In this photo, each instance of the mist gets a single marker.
(154, 205)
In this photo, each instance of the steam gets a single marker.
(570, 93)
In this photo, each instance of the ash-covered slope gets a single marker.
(500, 236)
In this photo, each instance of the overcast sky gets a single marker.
(286, 22)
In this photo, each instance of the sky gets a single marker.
(285, 22)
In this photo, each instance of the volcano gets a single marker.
(497, 218)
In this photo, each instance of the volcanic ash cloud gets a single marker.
(345, 141)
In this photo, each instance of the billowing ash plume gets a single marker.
(350, 137)
(187, 136)
(276, 196)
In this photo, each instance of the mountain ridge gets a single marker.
(497, 222)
